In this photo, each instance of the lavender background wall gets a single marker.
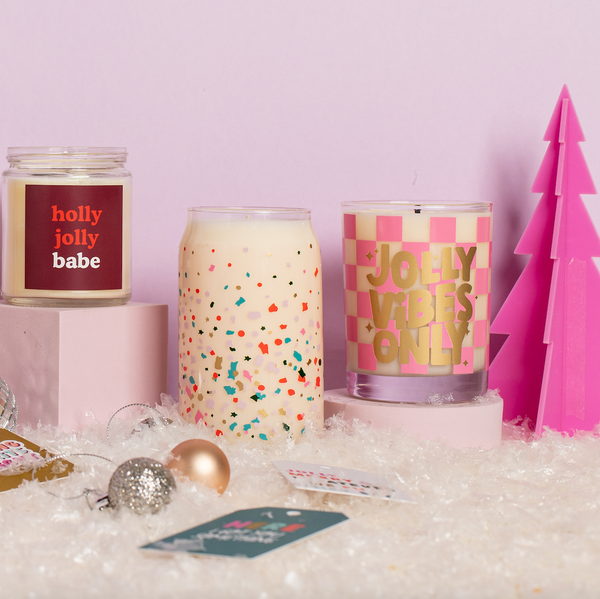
(303, 103)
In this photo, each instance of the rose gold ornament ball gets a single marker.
(201, 461)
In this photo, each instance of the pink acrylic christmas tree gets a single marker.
(548, 370)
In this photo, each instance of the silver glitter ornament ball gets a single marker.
(8, 407)
(142, 485)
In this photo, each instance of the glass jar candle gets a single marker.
(250, 322)
(66, 227)
(417, 280)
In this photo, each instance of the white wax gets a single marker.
(250, 327)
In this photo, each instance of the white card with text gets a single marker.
(344, 481)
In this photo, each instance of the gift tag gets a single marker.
(18, 457)
(344, 481)
(249, 533)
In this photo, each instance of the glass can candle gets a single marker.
(417, 279)
(66, 227)
(250, 322)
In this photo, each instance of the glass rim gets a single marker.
(62, 156)
(22, 151)
(419, 205)
(251, 212)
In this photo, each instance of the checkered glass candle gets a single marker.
(417, 300)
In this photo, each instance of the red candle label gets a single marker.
(74, 237)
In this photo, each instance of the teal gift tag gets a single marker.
(249, 533)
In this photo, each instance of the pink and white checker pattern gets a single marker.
(444, 231)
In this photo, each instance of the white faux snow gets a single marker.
(518, 521)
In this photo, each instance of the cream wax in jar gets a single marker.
(417, 300)
(66, 227)
(250, 322)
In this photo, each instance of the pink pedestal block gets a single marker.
(472, 424)
(68, 366)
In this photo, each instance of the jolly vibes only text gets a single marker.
(415, 309)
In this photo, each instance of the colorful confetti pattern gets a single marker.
(370, 239)
(250, 328)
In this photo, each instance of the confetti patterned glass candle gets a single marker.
(250, 322)
(417, 300)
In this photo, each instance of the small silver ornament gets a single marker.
(142, 485)
(8, 407)
(147, 423)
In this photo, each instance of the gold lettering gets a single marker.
(448, 273)
(400, 311)
(385, 267)
(466, 260)
(427, 275)
(444, 301)
(381, 316)
(438, 357)
(457, 337)
(420, 350)
(413, 269)
(392, 351)
(465, 302)
(419, 301)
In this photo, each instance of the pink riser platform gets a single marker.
(473, 424)
(67, 366)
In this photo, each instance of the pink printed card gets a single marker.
(21, 460)
(343, 481)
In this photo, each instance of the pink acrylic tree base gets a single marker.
(470, 424)
(69, 366)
